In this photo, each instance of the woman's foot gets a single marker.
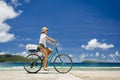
(46, 69)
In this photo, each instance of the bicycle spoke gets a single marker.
(32, 63)
(63, 63)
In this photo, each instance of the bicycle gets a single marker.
(33, 62)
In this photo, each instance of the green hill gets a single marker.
(89, 61)
(92, 61)
(11, 58)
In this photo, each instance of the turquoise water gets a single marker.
(76, 66)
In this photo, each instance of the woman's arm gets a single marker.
(51, 39)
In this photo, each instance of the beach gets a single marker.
(53, 75)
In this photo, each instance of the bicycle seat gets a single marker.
(33, 50)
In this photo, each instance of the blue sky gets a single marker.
(85, 29)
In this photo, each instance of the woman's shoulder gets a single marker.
(43, 34)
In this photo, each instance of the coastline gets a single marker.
(17, 68)
(15, 71)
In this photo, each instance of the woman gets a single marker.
(42, 46)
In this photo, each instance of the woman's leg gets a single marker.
(49, 50)
(44, 51)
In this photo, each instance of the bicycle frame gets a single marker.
(55, 56)
(55, 51)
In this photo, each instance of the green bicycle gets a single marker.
(33, 62)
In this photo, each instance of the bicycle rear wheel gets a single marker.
(63, 63)
(32, 63)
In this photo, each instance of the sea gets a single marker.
(76, 66)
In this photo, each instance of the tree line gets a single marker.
(11, 58)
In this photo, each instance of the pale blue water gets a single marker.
(76, 66)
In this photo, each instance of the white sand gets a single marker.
(53, 75)
(97, 75)
(42, 75)
(68, 77)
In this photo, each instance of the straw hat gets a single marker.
(44, 29)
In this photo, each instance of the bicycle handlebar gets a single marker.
(56, 44)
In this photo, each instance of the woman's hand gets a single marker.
(55, 41)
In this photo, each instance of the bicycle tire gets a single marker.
(32, 63)
(63, 63)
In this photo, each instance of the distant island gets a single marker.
(89, 61)
(11, 58)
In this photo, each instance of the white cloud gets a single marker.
(70, 55)
(92, 44)
(114, 58)
(5, 37)
(117, 53)
(16, 3)
(97, 54)
(112, 55)
(28, 39)
(27, 1)
(5, 9)
(82, 56)
(24, 39)
(24, 53)
(91, 55)
(1, 53)
(21, 45)
(103, 56)
(6, 12)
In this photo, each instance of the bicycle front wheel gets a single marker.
(32, 63)
(63, 63)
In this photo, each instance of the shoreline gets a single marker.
(73, 68)
(77, 73)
